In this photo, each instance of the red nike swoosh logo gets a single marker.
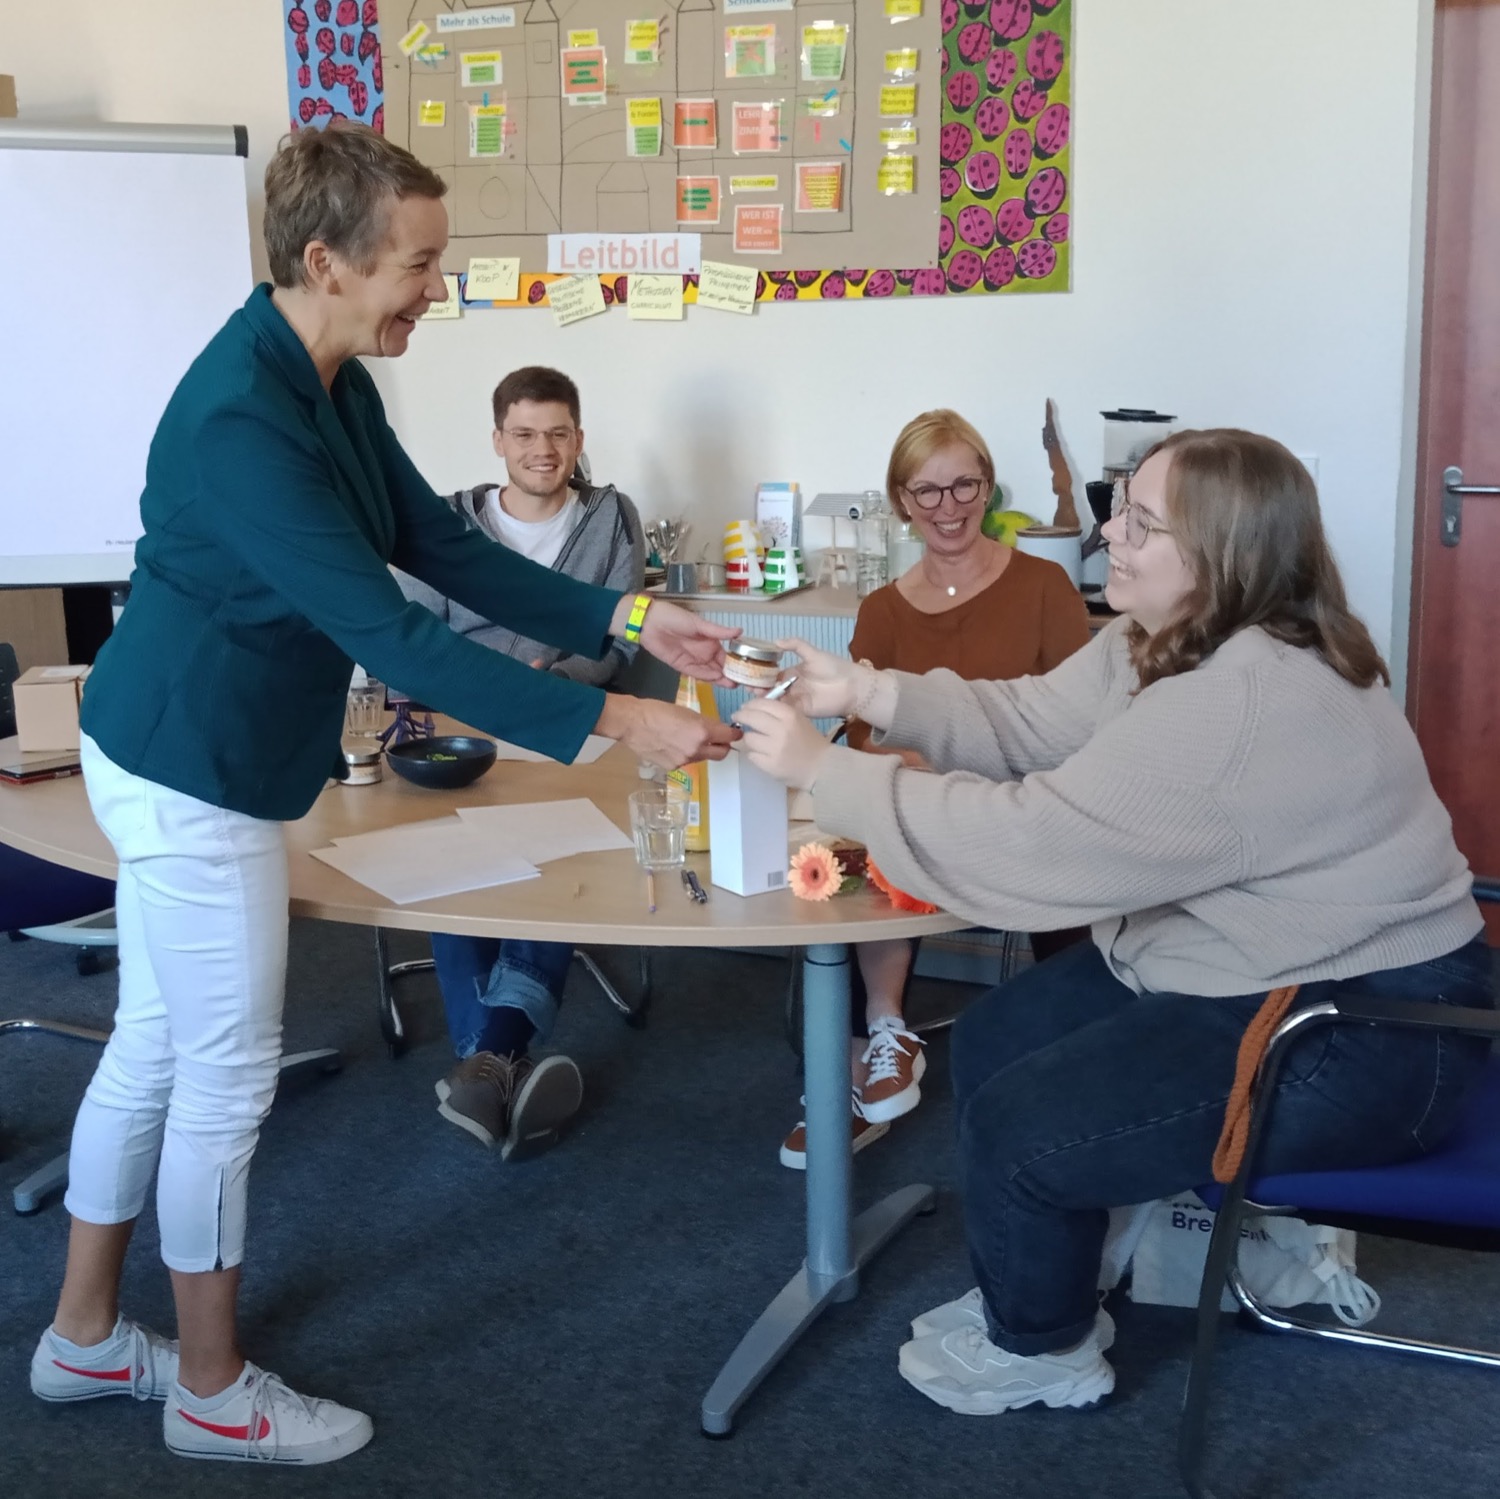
(235, 1433)
(116, 1375)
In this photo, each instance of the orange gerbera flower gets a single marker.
(815, 873)
(898, 898)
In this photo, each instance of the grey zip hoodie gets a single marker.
(606, 547)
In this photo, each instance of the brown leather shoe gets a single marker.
(476, 1095)
(546, 1095)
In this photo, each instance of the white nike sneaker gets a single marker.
(965, 1372)
(265, 1422)
(968, 1311)
(132, 1360)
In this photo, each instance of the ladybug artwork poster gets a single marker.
(996, 179)
(333, 62)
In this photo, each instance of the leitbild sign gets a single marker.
(649, 254)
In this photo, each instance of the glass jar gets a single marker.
(871, 570)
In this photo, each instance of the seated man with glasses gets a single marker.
(502, 995)
(973, 605)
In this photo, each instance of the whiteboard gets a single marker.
(119, 266)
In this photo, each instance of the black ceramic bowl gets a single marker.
(442, 763)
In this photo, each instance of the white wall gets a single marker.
(1249, 179)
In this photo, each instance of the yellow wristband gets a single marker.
(638, 607)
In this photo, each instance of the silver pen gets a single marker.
(780, 689)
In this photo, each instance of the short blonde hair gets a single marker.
(337, 185)
(922, 437)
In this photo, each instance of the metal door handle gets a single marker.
(1454, 490)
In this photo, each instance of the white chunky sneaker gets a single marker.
(132, 1360)
(263, 1422)
(965, 1372)
(968, 1311)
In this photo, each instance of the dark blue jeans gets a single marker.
(1074, 1095)
(479, 975)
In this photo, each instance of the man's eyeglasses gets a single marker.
(524, 437)
(1138, 526)
(929, 496)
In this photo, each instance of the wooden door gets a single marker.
(1453, 688)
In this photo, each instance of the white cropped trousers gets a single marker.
(191, 1067)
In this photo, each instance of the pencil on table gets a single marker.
(650, 893)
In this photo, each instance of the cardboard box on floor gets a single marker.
(7, 97)
(47, 699)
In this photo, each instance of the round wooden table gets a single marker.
(599, 899)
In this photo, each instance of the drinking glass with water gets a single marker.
(365, 709)
(658, 820)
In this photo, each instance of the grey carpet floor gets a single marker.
(549, 1328)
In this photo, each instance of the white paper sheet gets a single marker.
(424, 861)
(594, 746)
(540, 831)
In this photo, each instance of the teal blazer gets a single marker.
(271, 510)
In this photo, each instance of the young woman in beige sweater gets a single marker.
(1222, 786)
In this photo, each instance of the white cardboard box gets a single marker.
(747, 818)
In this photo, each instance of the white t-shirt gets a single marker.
(539, 540)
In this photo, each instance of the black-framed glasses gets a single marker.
(929, 496)
(524, 437)
(1138, 525)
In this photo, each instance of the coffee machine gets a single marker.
(1130, 432)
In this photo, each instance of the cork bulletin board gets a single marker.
(844, 150)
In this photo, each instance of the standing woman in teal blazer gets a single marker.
(276, 496)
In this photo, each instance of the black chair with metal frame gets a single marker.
(1450, 1197)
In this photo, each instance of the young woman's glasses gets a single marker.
(929, 496)
(1138, 526)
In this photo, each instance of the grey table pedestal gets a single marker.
(838, 1244)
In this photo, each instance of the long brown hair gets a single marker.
(1244, 514)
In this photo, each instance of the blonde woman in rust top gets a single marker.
(1223, 786)
(986, 612)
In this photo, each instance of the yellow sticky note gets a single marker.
(493, 278)
(898, 135)
(643, 112)
(903, 10)
(414, 38)
(642, 41)
(896, 174)
(574, 298)
(449, 309)
(655, 299)
(726, 288)
(583, 38)
(433, 52)
(767, 184)
(898, 99)
(480, 69)
(902, 61)
(432, 112)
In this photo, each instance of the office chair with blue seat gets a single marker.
(43, 900)
(1449, 1197)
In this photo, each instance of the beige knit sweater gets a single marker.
(1253, 823)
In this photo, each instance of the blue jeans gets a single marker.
(479, 975)
(1074, 1095)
